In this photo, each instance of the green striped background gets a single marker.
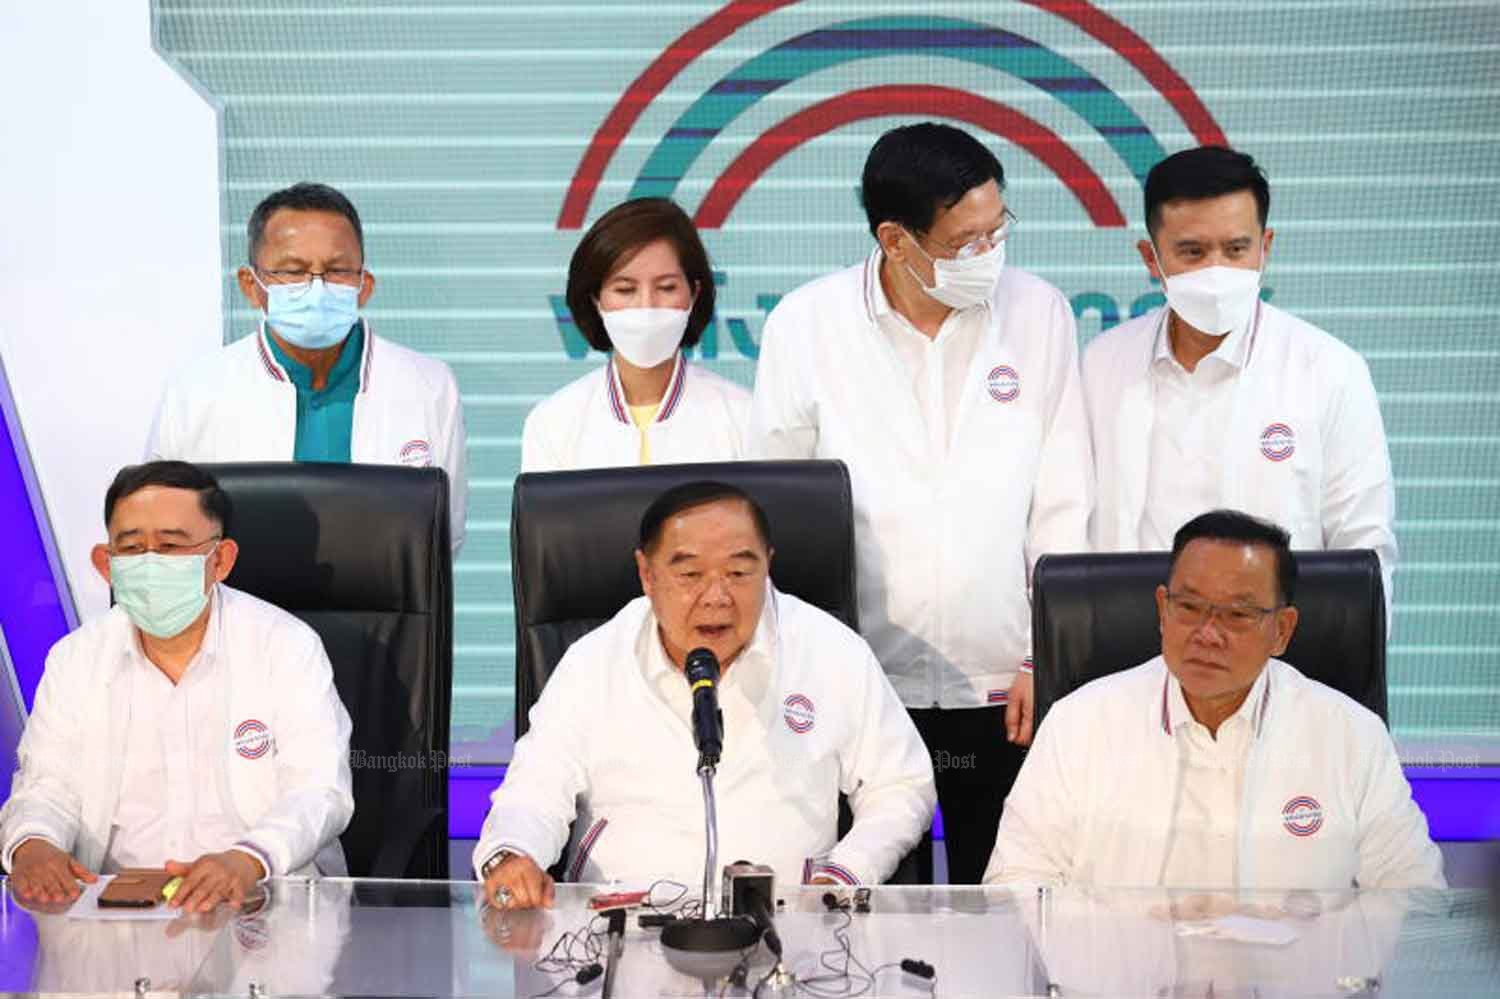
(456, 128)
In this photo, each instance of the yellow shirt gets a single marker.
(643, 417)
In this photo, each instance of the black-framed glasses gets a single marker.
(1191, 612)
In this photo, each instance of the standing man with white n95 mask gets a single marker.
(1222, 400)
(948, 383)
(314, 383)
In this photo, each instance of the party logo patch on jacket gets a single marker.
(1278, 442)
(1003, 383)
(1302, 816)
(416, 454)
(252, 739)
(799, 713)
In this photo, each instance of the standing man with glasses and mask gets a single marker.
(314, 383)
(948, 383)
(1216, 765)
(1221, 399)
(192, 727)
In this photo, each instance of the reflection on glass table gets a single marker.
(416, 938)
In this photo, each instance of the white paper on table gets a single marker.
(1240, 929)
(87, 907)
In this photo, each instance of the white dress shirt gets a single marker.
(967, 462)
(1192, 408)
(937, 365)
(167, 811)
(607, 767)
(1202, 847)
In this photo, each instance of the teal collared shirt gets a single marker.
(325, 418)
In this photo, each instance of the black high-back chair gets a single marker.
(572, 535)
(362, 554)
(1092, 615)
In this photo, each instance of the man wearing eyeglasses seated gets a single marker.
(1216, 765)
(314, 383)
(193, 727)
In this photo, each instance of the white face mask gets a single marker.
(963, 283)
(645, 337)
(1214, 299)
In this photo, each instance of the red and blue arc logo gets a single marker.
(1302, 816)
(1278, 442)
(799, 713)
(1003, 383)
(416, 454)
(252, 739)
(973, 42)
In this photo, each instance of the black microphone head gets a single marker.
(701, 664)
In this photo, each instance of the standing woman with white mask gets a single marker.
(640, 289)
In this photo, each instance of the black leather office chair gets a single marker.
(362, 554)
(572, 535)
(1092, 615)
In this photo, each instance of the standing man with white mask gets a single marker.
(314, 383)
(948, 383)
(193, 727)
(640, 290)
(1222, 400)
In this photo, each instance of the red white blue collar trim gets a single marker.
(669, 401)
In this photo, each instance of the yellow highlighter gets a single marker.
(170, 888)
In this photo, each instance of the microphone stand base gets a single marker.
(710, 936)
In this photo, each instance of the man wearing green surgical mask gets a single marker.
(193, 728)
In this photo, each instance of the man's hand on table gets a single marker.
(229, 876)
(518, 883)
(40, 872)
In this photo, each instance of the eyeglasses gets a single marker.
(349, 277)
(1192, 612)
(986, 243)
(165, 548)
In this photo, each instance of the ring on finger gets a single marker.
(502, 897)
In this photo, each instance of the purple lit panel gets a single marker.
(35, 605)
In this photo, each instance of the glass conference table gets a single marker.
(431, 938)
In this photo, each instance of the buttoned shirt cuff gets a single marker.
(251, 850)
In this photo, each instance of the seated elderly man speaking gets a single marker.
(808, 713)
(1216, 765)
(193, 727)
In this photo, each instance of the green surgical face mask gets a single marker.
(162, 594)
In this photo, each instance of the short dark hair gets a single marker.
(213, 501)
(693, 494)
(303, 196)
(1234, 526)
(1205, 172)
(914, 170)
(610, 244)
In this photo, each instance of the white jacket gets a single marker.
(944, 545)
(1325, 805)
(605, 749)
(585, 424)
(1300, 390)
(291, 802)
(237, 404)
